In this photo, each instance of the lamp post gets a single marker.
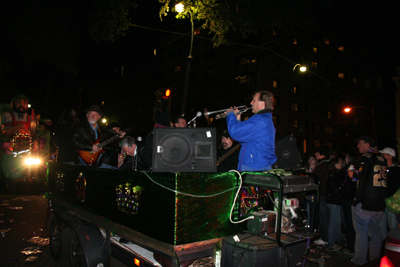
(348, 110)
(180, 8)
(302, 69)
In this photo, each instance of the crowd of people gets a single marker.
(354, 215)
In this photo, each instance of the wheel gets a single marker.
(55, 239)
(60, 242)
(77, 255)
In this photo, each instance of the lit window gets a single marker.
(275, 84)
(326, 41)
(329, 114)
(275, 119)
(245, 80)
(341, 75)
(340, 48)
(243, 61)
(329, 129)
(274, 32)
(294, 90)
(295, 106)
(295, 123)
(355, 80)
(317, 143)
(315, 50)
(314, 64)
(177, 69)
(295, 41)
(254, 60)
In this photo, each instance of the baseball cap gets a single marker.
(388, 150)
(226, 134)
(367, 139)
(20, 96)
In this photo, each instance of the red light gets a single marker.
(136, 261)
(167, 93)
(385, 262)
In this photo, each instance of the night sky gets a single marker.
(372, 26)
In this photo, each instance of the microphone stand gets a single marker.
(194, 119)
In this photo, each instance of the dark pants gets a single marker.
(323, 219)
(348, 221)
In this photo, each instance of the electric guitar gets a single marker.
(90, 157)
(221, 159)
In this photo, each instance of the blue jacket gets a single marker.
(257, 138)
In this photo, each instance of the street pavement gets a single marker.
(23, 241)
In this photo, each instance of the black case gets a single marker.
(258, 251)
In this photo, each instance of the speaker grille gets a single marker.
(174, 150)
(184, 150)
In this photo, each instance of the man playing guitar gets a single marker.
(87, 136)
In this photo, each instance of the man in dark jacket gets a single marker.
(369, 204)
(86, 134)
(227, 147)
(321, 171)
(133, 161)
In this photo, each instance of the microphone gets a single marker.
(197, 115)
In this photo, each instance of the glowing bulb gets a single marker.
(179, 7)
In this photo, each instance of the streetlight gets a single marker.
(302, 68)
(180, 8)
(349, 109)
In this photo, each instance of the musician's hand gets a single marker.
(95, 148)
(121, 134)
(234, 109)
(238, 116)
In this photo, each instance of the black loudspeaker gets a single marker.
(288, 156)
(184, 150)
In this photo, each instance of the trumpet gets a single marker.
(221, 115)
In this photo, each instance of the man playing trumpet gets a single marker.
(256, 135)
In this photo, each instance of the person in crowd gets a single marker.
(347, 193)
(179, 122)
(133, 160)
(162, 120)
(369, 205)
(256, 135)
(393, 183)
(63, 134)
(322, 154)
(311, 163)
(333, 202)
(230, 162)
(86, 136)
(112, 149)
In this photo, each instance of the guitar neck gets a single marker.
(227, 154)
(109, 140)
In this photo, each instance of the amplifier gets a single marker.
(263, 222)
(290, 183)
